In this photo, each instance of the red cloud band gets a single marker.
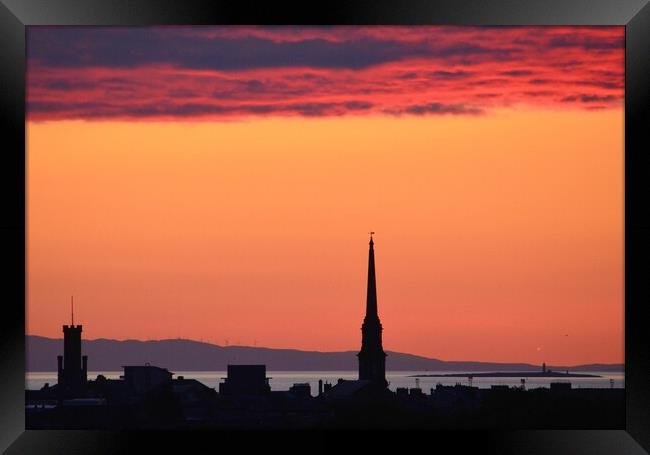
(224, 72)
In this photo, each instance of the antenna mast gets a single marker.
(72, 309)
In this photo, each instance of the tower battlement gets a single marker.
(72, 327)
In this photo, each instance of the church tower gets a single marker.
(72, 366)
(372, 358)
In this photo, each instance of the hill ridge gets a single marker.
(105, 354)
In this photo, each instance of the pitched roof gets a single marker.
(347, 388)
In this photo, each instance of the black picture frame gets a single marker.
(15, 15)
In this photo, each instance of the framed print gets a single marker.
(422, 218)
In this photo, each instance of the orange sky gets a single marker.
(499, 237)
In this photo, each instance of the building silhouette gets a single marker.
(245, 380)
(142, 378)
(72, 367)
(372, 358)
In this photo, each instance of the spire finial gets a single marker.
(371, 233)
(72, 309)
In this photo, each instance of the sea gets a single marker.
(283, 380)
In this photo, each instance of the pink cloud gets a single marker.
(106, 74)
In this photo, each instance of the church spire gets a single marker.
(372, 358)
(371, 295)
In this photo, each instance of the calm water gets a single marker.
(282, 380)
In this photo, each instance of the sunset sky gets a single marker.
(219, 184)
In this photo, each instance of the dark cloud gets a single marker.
(469, 49)
(566, 64)
(437, 108)
(111, 85)
(516, 73)
(138, 47)
(308, 77)
(588, 43)
(321, 109)
(451, 74)
(107, 110)
(526, 42)
(45, 107)
(589, 98)
(358, 105)
(609, 85)
(408, 76)
(538, 93)
(181, 93)
(133, 47)
(489, 81)
(63, 85)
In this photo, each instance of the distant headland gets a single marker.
(510, 374)
(189, 355)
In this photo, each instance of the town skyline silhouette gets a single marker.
(154, 399)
